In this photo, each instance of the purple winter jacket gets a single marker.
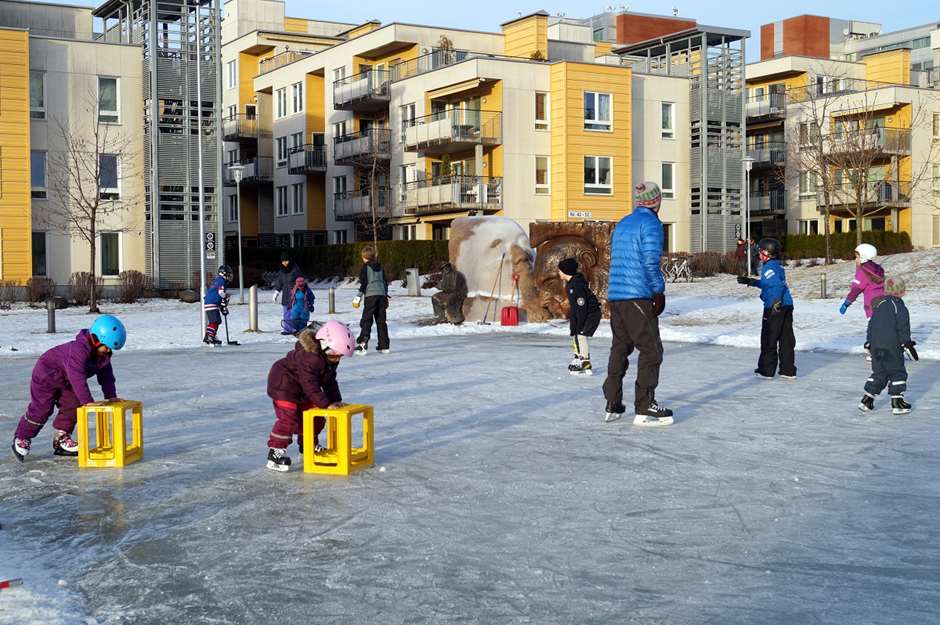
(71, 364)
(870, 280)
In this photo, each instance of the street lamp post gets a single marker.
(746, 230)
(236, 169)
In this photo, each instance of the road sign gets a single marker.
(210, 246)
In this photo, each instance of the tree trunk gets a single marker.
(93, 291)
(826, 231)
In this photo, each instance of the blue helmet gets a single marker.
(109, 331)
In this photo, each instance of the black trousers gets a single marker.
(777, 343)
(887, 369)
(373, 309)
(634, 326)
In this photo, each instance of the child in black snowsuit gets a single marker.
(584, 315)
(889, 334)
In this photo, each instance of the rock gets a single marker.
(189, 296)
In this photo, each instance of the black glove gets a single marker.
(387, 300)
(659, 303)
(744, 280)
(223, 306)
(909, 346)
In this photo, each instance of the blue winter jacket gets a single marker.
(773, 285)
(215, 293)
(635, 250)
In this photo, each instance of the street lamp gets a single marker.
(236, 170)
(748, 163)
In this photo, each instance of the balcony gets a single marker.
(768, 203)
(888, 141)
(307, 159)
(766, 107)
(280, 60)
(428, 63)
(355, 205)
(451, 193)
(872, 195)
(772, 154)
(242, 128)
(363, 147)
(256, 170)
(451, 131)
(366, 92)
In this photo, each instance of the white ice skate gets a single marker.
(361, 350)
(63, 444)
(614, 413)
(647, 421)
(20, 448)
(278, 460)
(387, 350)
(581, 366)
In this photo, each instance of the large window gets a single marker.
(231, 71)
(597, 175)
(233, 208)
(108, 98)
(541, 111)
(668, 181)
(339, 237)
(297, 198)
(281, 147)
(597, 111)
(109, 176)
(281, 197)
(37, 172)
(296, 141)
(542, 175)
(39, 254)
(936, 126)
(809, 226)
(109, 244)
(338, 74)
(667, 122)
(297, 97)
(807, 184)
(339, 186)
(37, 95)
(339, 129)
(280, 97)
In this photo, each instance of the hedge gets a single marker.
(323, 261)
(797, 246)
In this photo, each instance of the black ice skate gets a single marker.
(211, 341)
(761, 376)
(867, 404)
(654, 416)
(614, 412)
(278, 460)
(581, 367)
(20, 448)
(63, 445)
(899, 406)
(361, 349)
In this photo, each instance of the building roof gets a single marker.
(540, 13)
(714, 33)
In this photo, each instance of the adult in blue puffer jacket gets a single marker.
(777, 342)
(636, 293)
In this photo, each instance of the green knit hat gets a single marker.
(648, 195)
(895, 287)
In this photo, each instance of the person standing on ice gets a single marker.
(777, 342)
(869, 281)
(584, 314)
(305, 379)
(301, 305)
(373, 295)
(637, 296)
(215, 303)
(889, 334)
(284, 281)
(60, 379)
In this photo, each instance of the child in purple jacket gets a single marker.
(60, 379)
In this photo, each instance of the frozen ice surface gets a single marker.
(506, 497)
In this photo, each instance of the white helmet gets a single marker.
(866, 252)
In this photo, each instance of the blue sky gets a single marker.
(488, 14)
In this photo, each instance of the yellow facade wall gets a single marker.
(295, 25)
(315, 122)
(362, 29)
(602, 47)
(571, 142)
(797, 82)
(248, 65)
(893, 66)
(16, 263)
(526, 37)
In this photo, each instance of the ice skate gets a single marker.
(583, 367)
(654, 416)
(63, 445)
(614, 412)
(788, 377)
(20, 448)
(278, 460)
(899, 406)
(387, 350)
(761, 376)
(867, 404)
(211, 341)
(362, 349)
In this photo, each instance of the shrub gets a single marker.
(797, 246)
(7, 294)
(707, 264)
(40, 289)
(80, 287)
(134, 285)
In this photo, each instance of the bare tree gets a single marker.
(86, 175)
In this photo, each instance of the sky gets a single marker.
(487, 15)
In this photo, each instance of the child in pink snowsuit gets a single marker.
(869, 279)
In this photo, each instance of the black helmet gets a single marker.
(226, 272)
(771, 247)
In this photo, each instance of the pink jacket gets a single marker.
(870, 280)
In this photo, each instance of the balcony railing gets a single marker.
(428, 62)
(365, 92)
(768, 106)
(887, 193)
(280, 60)
(354, 205)
(774, 201)
(257, 170)
(363, 147)
(451, 193)
(886, 140)
(307, 159)
(768, 154)
(453, 131)
(242, 128)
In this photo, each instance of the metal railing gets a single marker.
(354, 205)
(254, 170)
(873, 192)
(307, 159)
(836, 86)
(362, 92)
(767, 105)
(774, 201)
(240, 127)
(280, 60)
(440, 57)
(888, 140)
(452, 130)
(363, 145)
(773, 153)
(447, 193)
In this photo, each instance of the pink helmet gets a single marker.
(336, 338)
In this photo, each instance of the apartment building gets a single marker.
(845, 118)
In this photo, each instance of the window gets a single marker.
(921, 42)
(541, 111)
(281, 144)
(339, 237)
(339, 129)
(936, 231)
(281, 201)
(37, 95)
(809, 226)
(231, 70)
(297, 97)
(338, 74)
(597, 175)
(108, 100)
(39, 254)
(597, 111)
(807, 183)
(667, 238)
(233, 208)
(542, 175)
(667, 185)
(668, 120)
(339, 186)
(232, 156)
(110, 253)
(598, 34)
(936, 126)
(280, 97)
(109, 176)
(37, 172)
(297, 197)
(232, 112)
(936, 179)
(296, 141)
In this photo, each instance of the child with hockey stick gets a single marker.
(304, 379)
(777, 342)
(60, 380)
(301, 301)
(889, 334)
(215, 303)
(373, 292)
(584, 315)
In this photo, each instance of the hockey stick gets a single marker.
(225, 319)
